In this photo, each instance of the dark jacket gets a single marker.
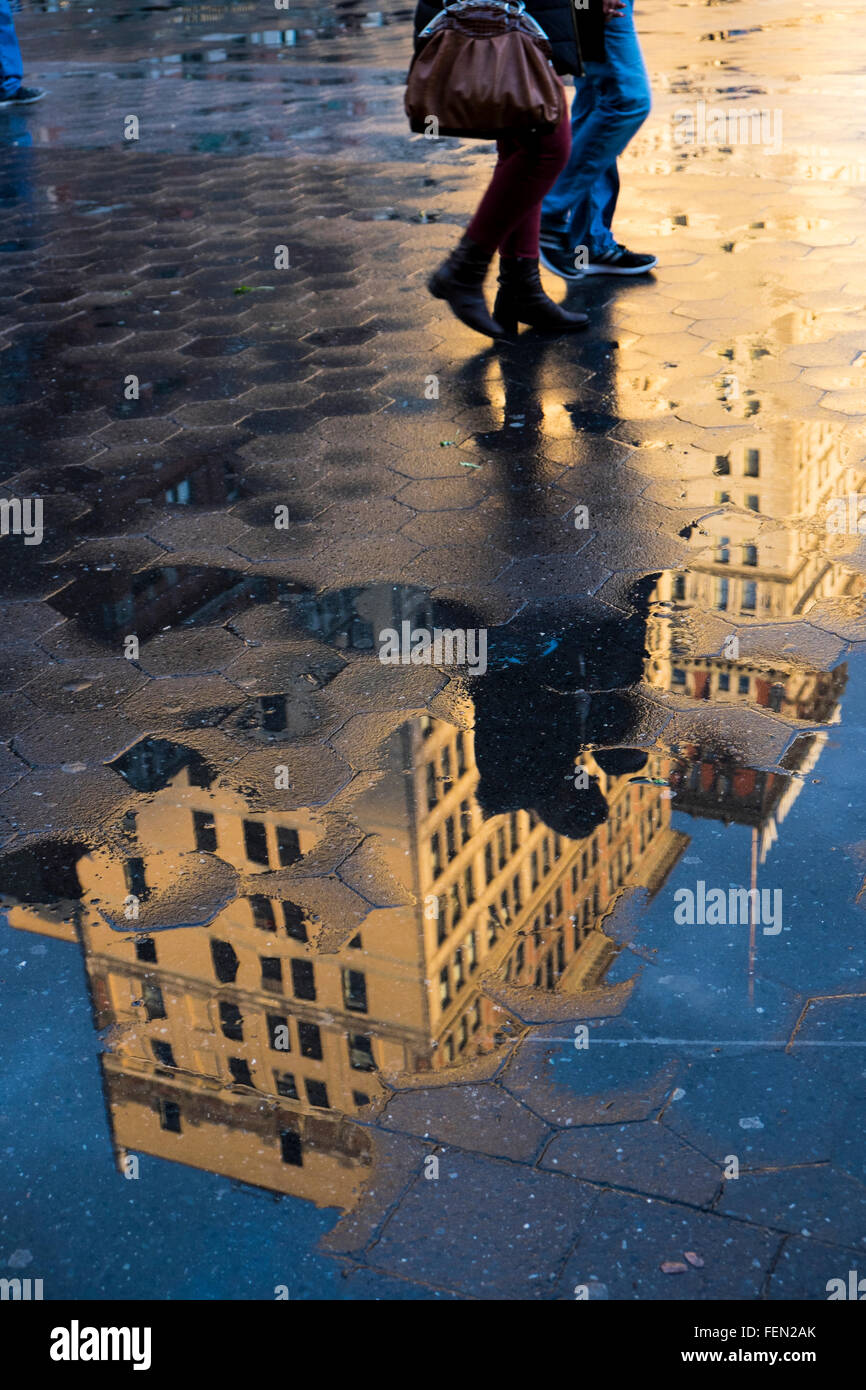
(576, 35)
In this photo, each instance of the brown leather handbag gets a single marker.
(483, 68)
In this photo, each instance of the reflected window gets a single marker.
(460, 746)
(225, 961)
(310, 1041)
(721, 594)
(263, 913)
(317, 1094)
(489, 871)
(272, 972)
(450, 840)
(361, 1052)
(256, 841)
(724, 680)
(722, 465)
(290, 1147)
(163, 1053)
(154, 1005)
(273, 708)
(231, 1021)
(431, 787)
(355, 991)
(169, 1116)
(179, 495)
(465, 822)
(204, 831)
(133, 871)
(436, 855)
(303, 979)
(469, 884)
(750, 554)
(145, 949)
(753, 463)
(446, 769)
(459, 977)
(288, 846)
(471, 951)
(294, 921)
(456, 905)
(743, 685)
(285, 1085)
(444, 988)
(750, 596)
(240, 1071)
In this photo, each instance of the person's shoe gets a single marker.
(557, 254)
(521, 299)
(459, 282)
(25, 96)
(617, 260)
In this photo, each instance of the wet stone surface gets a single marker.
(411, 980)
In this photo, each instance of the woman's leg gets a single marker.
(534, 167)
(509, 214)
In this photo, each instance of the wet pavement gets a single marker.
(327, 976)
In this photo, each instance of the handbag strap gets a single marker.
(453, 7)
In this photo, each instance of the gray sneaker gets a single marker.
(557, 254)
(25, 96)
(617, 260)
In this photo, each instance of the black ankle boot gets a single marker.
(459, 282)
(521, 299)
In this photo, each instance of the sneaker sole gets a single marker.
(603, 269)
(16, 101)
(554, 270)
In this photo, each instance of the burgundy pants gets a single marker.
(508, 218)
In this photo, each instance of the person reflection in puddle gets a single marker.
(553, 691)
(12, 90)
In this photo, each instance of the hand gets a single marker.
(613, 7)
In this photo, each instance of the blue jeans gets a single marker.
(611, 103)
(11, 68)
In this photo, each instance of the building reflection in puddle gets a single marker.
(407, 933)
